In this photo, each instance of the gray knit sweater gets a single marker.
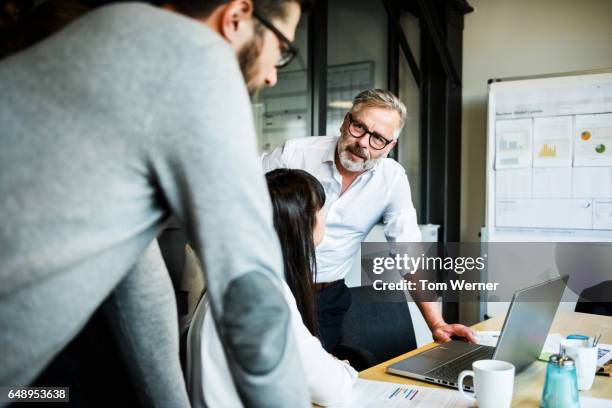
(129, 115)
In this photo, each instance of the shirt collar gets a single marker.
(330, 153)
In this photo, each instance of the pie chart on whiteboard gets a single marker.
(586, 135)
(600, 148)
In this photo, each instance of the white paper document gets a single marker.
(513, 143)
(513, 183)
(592, 182)
(590, 402)
(593, 140)
(602, 214)
(544, 213)
(373, 394)
(553, 342)
(552, 182)
(487, 338)
(552, 96)
(604, 355)
(551, 346)
(552, 141)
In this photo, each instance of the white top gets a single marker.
(382, 193)
(329, 380)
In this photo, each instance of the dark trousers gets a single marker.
(332, 303)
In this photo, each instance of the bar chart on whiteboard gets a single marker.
(549, 158)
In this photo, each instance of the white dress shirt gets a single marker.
(329, 380)
(382, 193)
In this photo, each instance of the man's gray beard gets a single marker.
(354, 166)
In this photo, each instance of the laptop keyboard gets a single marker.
(451, 370)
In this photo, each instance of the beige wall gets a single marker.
(507, 38)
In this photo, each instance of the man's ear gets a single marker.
(237, 22)
(390, 147)
(344, 123)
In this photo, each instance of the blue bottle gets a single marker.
(561, 386)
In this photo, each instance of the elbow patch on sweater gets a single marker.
(255, 320)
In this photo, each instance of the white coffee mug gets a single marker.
(493, 383)
(585, 357)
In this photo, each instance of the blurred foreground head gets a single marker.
(260, 31)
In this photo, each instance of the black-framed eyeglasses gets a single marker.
(288, 50)
(358, 130)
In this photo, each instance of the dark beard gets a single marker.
(247, 58)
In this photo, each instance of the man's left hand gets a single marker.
(443, 332)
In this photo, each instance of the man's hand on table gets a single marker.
(442, 332)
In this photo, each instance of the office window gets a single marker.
(409, 146)
(356, 54)
(283, 111)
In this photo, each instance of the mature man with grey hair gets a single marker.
(354, 170)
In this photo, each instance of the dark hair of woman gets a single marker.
(296, 198)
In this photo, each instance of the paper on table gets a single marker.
(589, 402)
(604, 354)
(490, 338)
(553, 341)
(551, 346)
(487, 338)
(367, 393)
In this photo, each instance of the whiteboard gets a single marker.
(549, 159)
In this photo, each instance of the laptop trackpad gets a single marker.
(429, 359)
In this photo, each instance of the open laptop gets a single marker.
(521, 340)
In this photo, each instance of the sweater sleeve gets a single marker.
(202, 149)
(142, 314)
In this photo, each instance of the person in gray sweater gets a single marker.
(127, 116)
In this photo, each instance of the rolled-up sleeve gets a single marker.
(399, 218)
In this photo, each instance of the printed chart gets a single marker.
(593, 140)
(377, 394)
(550, 158)
(513, 143)
(552, 144)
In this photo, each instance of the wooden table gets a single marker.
(528, 385)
